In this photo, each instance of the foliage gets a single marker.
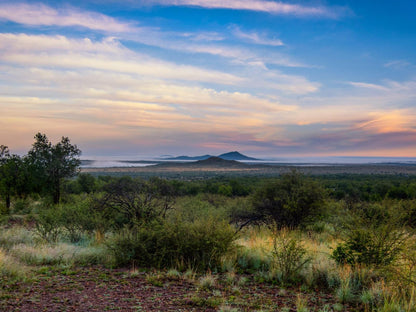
(289, 201)
(198, 245)
(52, 163)
(48, 225)
(76, 219)
(14, 176)
(373, 236)
(136, 201)
(289, 257)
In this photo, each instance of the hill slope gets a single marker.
(227, 156)
(235, 156)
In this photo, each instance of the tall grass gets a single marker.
(60, 254)
(15, 235)
(10, 269)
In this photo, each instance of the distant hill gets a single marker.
(235, 156)
(190, 157)
(218, 162)
(227, 156)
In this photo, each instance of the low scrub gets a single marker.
(200, 244)
(373, 237)
(289, 257)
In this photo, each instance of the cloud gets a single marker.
(398, 64)
(198, 42)
(406, 88)
(393, 121)
(107, 55)
(272, 7)
(111, 56)
(368, 86)
(78, 86)
(42, 15)
(256, 37)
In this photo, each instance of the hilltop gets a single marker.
(218, 162)
(235, 156)
(226, 156)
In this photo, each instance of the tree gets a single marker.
(136, 201)
(4, 153)
(13, 175)
(51, 164)
(289, 201)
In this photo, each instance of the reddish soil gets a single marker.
(100, 289)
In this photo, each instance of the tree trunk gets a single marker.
(57, 193)
(7, 203)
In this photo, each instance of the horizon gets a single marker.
(257, 157)
(330, 78)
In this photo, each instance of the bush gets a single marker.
(373, 237)
(290, 201)
(289, 257)
(48, 225)
(76, 219)
(136, 201)
(199, 244)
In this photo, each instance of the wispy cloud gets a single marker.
(398, 120)
(398, 64)
(41, 15)
(272, 7)
(256, 38)
(368, 86)
(108, 55)
(74, 86)
(189, 42)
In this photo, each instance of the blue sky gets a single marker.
(268, 78)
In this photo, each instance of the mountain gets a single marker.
(235, 156)
(218, 162)
(227, 156)
(190, 157)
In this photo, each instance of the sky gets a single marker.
(175, 77)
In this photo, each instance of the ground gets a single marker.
(102, 289)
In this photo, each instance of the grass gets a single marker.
(11, 269)
(15, 235)
(392, 289)
(207, 282)
(59, 254)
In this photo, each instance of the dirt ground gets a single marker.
(101, 289)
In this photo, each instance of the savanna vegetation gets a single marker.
(288, 243)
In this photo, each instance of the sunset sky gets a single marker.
(264, 77)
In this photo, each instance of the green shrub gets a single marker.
(48, 225)
(373, 237)
(289, 201)
(76, 219)
(21, 206)
(199, 244)
(289, 257)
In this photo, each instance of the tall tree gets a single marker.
(13, 175)
(51, 164)
(4, 153)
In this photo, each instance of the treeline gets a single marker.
(351, 187)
